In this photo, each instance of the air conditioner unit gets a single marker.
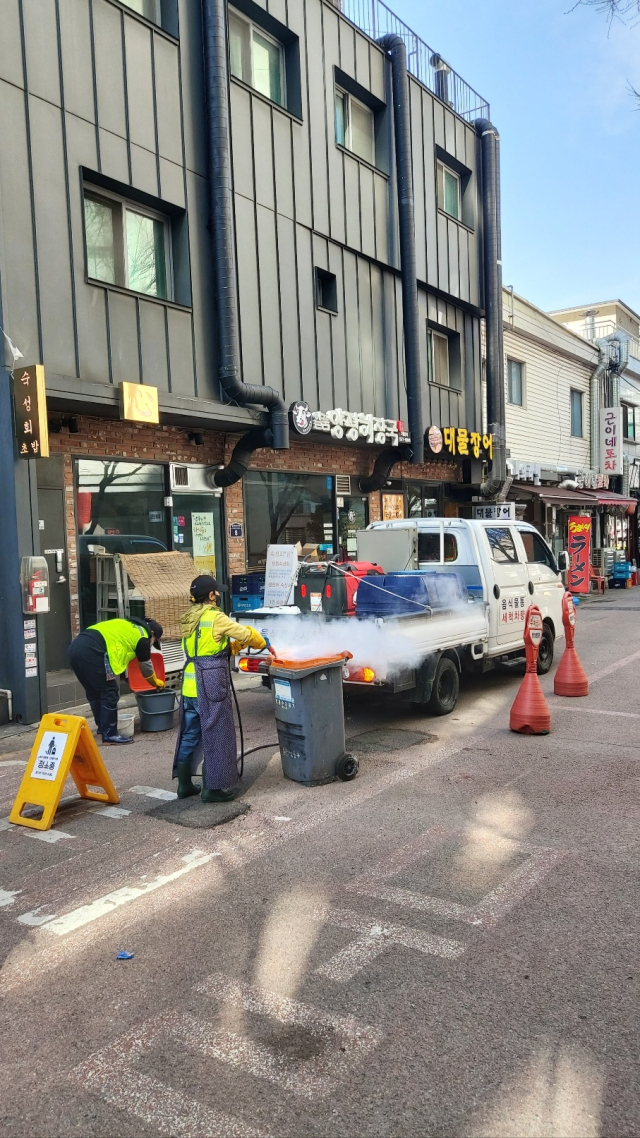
(343, 484)
(193, 478)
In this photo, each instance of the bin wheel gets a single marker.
(347, 767)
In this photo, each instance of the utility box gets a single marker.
(395, 548)
(310, 722)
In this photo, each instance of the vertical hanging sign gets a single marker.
(30, 412)
(611, 440)
(579, 549)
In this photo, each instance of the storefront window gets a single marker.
(119, 509)
(287, 509)
(421, 502)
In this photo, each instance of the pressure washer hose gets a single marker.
(262, 747)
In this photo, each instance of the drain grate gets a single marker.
(198, 815)
(388, 739)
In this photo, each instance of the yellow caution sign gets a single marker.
(64, 746)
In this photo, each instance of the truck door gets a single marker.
(548, 588)
(510, 582)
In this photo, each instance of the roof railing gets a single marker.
(375, 19)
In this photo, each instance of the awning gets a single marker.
(553, 495)
(556, 496)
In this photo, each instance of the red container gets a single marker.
(136, 680)
(331, 588)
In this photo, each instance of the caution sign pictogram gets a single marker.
(63, 746)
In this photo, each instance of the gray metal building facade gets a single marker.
(97, 97)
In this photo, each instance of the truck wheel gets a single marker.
(446, 686)
(545, 651)
(347, 767)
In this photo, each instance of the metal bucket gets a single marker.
(157, 710)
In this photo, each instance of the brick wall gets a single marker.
(111, 438)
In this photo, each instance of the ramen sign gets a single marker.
(579, 550)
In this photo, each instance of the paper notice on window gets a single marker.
(203, 536)
(282, 567)
(49, 755)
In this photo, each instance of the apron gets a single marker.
(218, 747)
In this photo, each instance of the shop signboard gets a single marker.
(30, 412)
(611, 440)
(392, 507)
(280, 575)
(458, 441)
(579, 549)
(355, 426)
(139, 402)
(204, 549)
(502, 512)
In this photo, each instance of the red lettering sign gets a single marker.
(579, 554)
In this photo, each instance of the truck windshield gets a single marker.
(429, 547)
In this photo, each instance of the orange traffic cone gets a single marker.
(570, 678)
(529, 712)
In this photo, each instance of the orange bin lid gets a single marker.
(312, 662)
(135, 678)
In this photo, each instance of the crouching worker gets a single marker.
(100, 654)
(207, 729)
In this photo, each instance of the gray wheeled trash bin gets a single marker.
(310, 723)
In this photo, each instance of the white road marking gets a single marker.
(5, 824)
(346, 1039)
(281, 818)
(154, 792)
(597, 711)
(613, 668)
(112, 811)
(488, 911)
(374, 939)
(36, 917)
(8, 896)
(111, 1073)
(13, 762)
(50, 836)
(77, 918)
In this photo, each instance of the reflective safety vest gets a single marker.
(121, 638)
(201, 642)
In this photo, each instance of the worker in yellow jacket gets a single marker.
(206, 711)
(100, 654)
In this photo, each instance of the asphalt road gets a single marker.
(447, 945)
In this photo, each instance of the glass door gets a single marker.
(353, 514)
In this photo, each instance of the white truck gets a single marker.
(505, 566)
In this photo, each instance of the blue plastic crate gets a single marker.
(249, 584)
(247, 602)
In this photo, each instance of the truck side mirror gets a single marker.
(563, 561)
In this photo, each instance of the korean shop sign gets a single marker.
(611, 440)
(459, 441)
(579, 550)
(30, 412)
(356, 426)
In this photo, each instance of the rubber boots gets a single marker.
(217, 795)
(186, 788)
(109, 727)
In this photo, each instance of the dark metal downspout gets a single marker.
(236, 467)
(492, 261)
(221, 205)
(394, 47)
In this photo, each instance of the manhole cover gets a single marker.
(199, 815)
(388, 739)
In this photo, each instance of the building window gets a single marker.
(288, 509)
(515, 382)
(420, 501)
(126, 245)
(629, 421)
(449, 195)
(438, 358)
(326, 290)
(355, 128)
(256, 58)
(150, 9)
(576, 413)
